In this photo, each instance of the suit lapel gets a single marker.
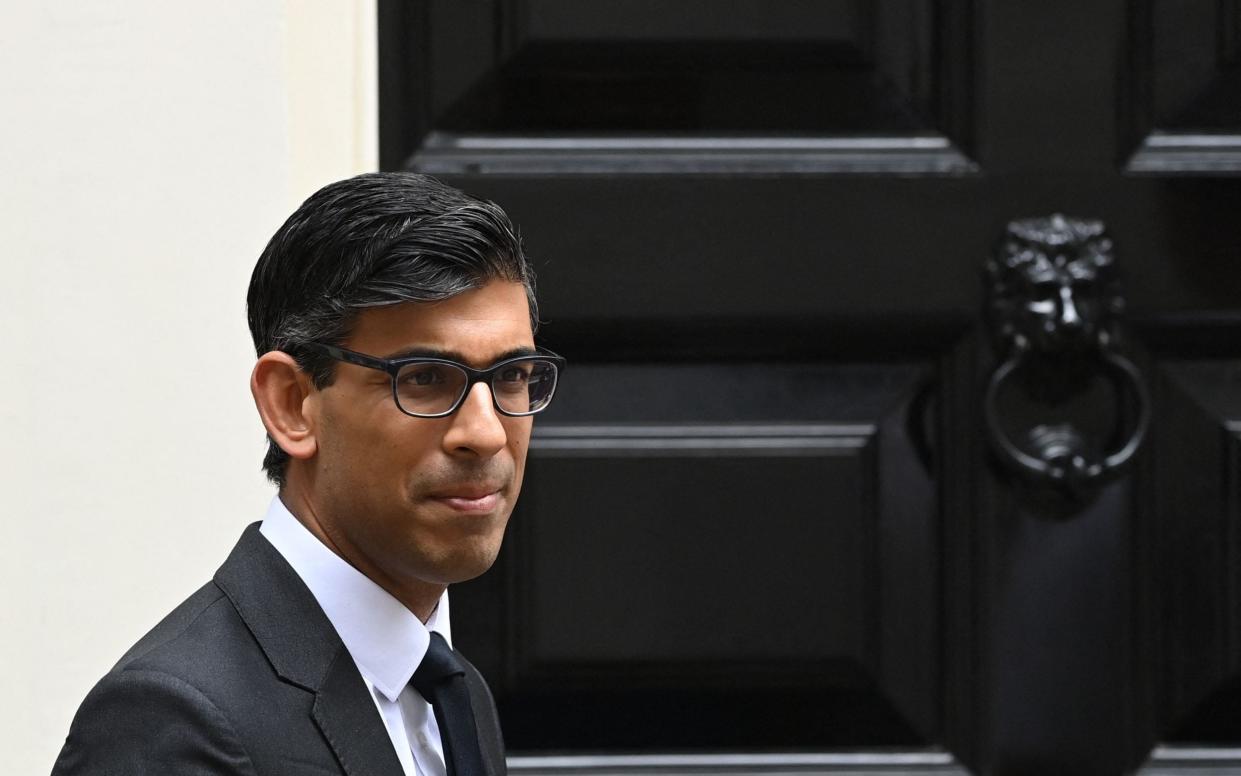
(304, 649)
(490, 739)
(350, 722)
(279, 610)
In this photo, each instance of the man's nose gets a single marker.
(476, 427)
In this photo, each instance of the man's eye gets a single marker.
(517, 373)
(423, 375)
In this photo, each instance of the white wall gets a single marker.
(148, 149)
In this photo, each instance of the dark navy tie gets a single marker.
(440, 679)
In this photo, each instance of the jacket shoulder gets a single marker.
(195, 695)
(167, 633)
(143, 722)
(154, 712)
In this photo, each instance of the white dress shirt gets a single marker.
(386, 640)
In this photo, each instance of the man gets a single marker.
(394, 320)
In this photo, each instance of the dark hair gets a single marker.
(368, 241)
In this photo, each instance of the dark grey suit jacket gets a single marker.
(247, 676)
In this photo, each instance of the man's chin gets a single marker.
(465, 563)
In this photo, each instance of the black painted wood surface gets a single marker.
(762, 514)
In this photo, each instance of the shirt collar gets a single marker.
(386, 640)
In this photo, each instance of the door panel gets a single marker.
(564, 88)
(750, 543)
(1200, 526)
(1183, 87)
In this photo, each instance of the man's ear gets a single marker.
(280, 390)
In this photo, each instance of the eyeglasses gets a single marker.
(436, 387)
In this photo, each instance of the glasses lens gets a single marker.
(525, 386)
(429, 389)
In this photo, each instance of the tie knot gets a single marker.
(439, 664)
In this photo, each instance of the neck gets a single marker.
(418, 596)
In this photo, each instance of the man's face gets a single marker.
(421, 500)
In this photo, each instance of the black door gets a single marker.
(819, 492)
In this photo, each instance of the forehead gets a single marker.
(477, 325)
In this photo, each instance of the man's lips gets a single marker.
(469, 499)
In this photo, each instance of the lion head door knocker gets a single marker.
(1054, 306)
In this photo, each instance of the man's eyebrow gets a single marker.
(454, 355)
